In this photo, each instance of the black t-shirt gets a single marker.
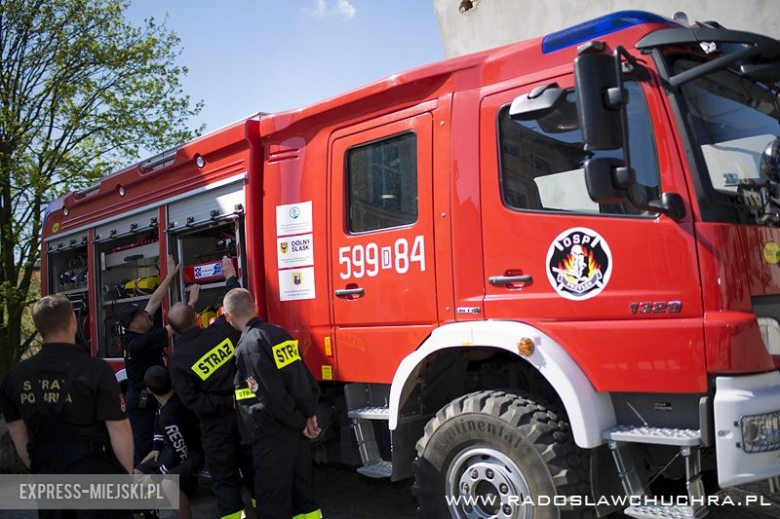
(142, 351)
(33, 388)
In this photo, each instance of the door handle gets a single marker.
(508, 281)
(348, 292)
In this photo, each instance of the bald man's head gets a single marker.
(182, 318)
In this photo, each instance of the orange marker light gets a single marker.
(526, 347)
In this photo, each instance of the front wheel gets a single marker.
(496, 454)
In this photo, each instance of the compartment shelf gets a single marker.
(73, 291)
(148, 256)
(206, 286)
(126, 300)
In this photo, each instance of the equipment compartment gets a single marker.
(201, 252)
(127, 272)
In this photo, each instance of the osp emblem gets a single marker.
(579, 264)
(297, 278)
(294, 212)
(284, 246)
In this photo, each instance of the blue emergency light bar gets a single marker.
(601, 26)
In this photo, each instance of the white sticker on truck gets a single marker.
(295, 251)
(294, 218)
(296, 284)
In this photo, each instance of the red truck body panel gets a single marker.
(420, 275)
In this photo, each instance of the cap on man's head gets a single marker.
(157, 380)
(128, 313)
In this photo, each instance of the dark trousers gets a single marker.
(142, 422)
(283, 476)
(224, 456)
(76, 458)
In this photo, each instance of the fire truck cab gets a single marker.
(547, 269)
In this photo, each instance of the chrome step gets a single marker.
(370, 413)
(380, 469)
(665, 512)
(654, 435)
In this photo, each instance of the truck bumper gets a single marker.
(747, 428)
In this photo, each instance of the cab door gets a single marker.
(617, 287)
(382, 269)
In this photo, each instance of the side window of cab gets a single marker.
(541, 161)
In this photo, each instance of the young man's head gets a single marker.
(182, 318)
(54, 319)
(133, 318)
(158, 383)
(239, 307)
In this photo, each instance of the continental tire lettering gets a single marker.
(503, 433)
(243, 394)
(213, 359)
(285, 353)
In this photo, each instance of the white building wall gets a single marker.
(492, 23)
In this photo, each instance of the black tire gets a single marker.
(497, 429)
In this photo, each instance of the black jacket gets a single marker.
(202, 366)
(177, 436)
(275, 391)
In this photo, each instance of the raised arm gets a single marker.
(229, 271)
(156, 300)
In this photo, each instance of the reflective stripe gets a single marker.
(317, 514)
(243, 394)
(254, 503)
(286, 353)
(213, 360)
(235, 515)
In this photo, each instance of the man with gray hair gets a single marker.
(276, 396)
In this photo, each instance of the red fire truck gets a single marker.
(548, 269)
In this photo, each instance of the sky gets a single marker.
(249, 56)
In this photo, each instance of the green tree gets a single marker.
(81, 92)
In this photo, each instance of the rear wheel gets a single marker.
(492, 454)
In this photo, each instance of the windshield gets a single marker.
(731, 119)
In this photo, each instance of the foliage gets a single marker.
(81, 92)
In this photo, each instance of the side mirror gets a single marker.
(600, 97)
(537, 103)
(608, 180)
(770, 161)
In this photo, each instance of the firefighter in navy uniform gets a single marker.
(64, 408)
(202, 369)
(276, 396)
(143, 348)
(177, 447)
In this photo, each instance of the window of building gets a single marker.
(382, 183)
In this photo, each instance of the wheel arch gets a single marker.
(589, 412)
